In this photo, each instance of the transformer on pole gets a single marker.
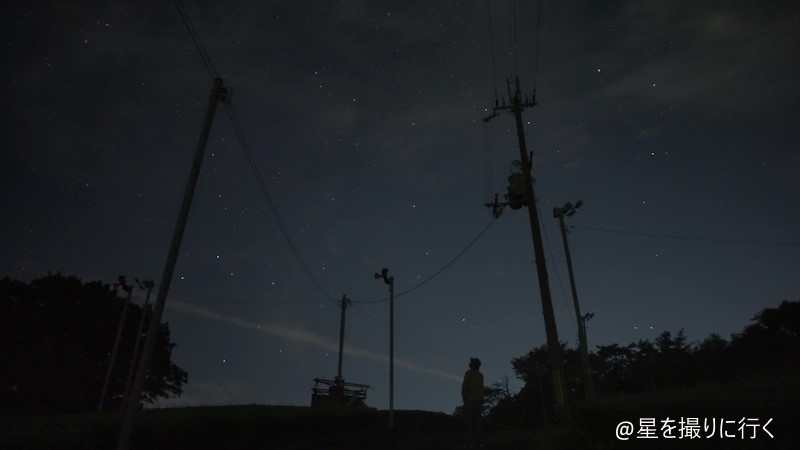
(521, 194)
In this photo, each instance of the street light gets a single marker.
(384, 275)
(569, 210)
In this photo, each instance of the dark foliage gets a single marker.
(492, 396)
(56, 338)
(769, 346)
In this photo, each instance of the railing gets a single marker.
(334, 391)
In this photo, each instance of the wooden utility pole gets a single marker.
(218, 93)
(516, 106)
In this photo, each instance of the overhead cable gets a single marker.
(187, 21)
(410, 339)
(474, 240)
(262, 187)
(690, 238)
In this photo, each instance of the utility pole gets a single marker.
(390, 281)
(129, 289)
(339, 379)
(588, 386)
(218, 93)
(146, 284)
(516, 106)
(541, 392)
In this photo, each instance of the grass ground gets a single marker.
(300, 428)
(254, 427)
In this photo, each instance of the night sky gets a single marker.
(677, 124)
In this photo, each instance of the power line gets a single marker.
(285, 302)
(262, 186)
(491, 47)
(488, 163)
(410, 339)
(474, 240)
(538, 36)
(187, 21)
(265, 193)
(690, 238)
(516, 52)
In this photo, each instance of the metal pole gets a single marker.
(384, 275)
(391, 353)
(134, 360)
(341, 338)
(588, 386)
(129, 290)
(217, 93)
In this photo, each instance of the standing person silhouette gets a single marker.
(472, 395)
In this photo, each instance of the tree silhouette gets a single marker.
(56, 336)
(534, 402)
(771, 343)
(711, 358)
(767, 347)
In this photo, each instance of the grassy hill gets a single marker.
(296, 428)
(251, 427)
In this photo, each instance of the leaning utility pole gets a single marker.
(217, 93)
(345, 302)
(516, 106)
(149, 285)
(588, 386)
(129, 289)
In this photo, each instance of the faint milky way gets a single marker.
(309, 338)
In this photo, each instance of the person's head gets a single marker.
(474, 363)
